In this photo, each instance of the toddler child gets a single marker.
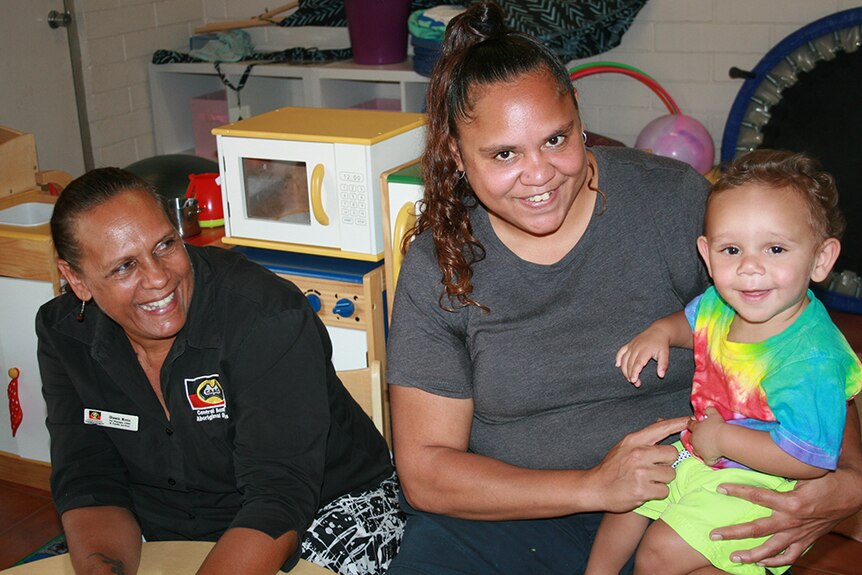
(773, 374)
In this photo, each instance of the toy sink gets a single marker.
(27, 197)
(27, 214)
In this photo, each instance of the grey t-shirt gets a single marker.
(540, 365)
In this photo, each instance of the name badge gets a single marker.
(110, 419)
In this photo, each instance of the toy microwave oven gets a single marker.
(308, 179)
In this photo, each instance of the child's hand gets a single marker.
(704, 435)
(633, 356)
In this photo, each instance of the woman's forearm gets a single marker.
(103, 540)
(250, 552)
(851, 448)
(850, 461)
(454, 482)
(472, 486)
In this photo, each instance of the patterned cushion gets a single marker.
(572, 29)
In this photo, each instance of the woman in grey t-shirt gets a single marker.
(509, 417)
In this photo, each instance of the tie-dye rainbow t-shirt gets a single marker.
(795, 385)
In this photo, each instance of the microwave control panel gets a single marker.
(353, 198)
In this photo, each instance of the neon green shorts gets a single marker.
(694, 508)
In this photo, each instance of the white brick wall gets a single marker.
(118, 38)
(686, 45)
(239, 9)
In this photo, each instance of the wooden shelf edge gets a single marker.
(16, 469)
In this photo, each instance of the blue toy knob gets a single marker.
(314, 300)
(344, 307)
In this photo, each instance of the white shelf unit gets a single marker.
(341, 84)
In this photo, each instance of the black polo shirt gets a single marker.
(261, 431)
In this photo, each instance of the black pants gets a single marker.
(441, 545)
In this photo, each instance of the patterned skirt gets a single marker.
(358, 533)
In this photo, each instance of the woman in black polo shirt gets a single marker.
(191, 395)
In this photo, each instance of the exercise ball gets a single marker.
(680, 137)
(169, 173)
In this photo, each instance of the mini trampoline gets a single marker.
(805, 95)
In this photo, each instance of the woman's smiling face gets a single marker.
(134, 266)
(523, 155)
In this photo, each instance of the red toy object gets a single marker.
(206, 189)
(15, 413)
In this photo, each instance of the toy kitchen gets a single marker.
(301, 191)
(28, 278)
(301, 195)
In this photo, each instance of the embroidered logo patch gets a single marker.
(206, 397)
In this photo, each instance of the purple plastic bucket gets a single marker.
(378, 30)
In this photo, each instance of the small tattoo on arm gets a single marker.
(117, 567)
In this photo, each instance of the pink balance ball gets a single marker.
(680, 137)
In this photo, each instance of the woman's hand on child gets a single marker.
(705, 435)
(638, 469)
(798, 519)
(800, 516)
(633, 356)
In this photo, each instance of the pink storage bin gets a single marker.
(208, 111)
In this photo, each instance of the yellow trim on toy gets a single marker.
(326, 125)
(302, 249)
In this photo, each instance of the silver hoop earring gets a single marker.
(80, 316)
(461, 174)
(584, 136)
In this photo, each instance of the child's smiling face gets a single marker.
(761, 251)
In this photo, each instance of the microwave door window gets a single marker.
(276, 190)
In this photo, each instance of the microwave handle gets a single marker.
(316, 196)
(405, 220)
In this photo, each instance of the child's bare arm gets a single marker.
(712, 438)
(654, 343)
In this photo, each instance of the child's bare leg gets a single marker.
(663, 551)
(617, 538)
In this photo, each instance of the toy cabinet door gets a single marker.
(18, 306)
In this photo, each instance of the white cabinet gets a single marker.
(28, 278)
(341, 84)
(18, 306)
